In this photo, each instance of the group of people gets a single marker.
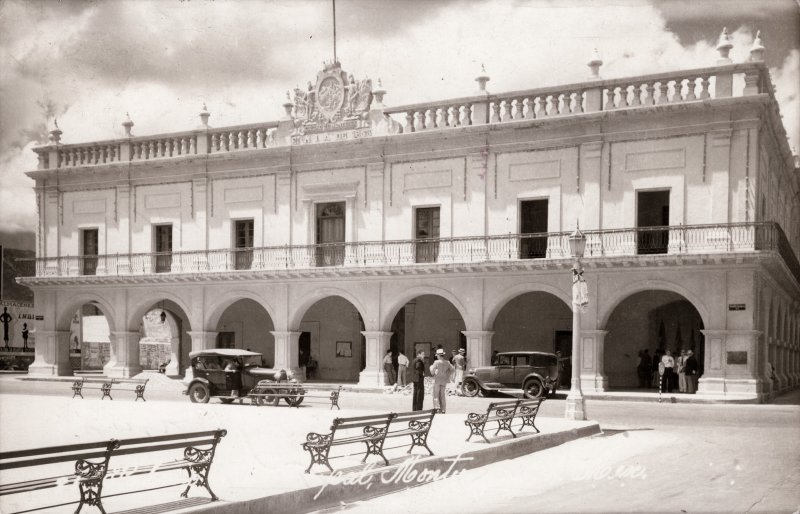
(446, 374)
(667, 371)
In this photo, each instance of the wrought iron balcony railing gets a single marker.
(622, 243)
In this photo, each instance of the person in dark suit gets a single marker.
(691, 372)
(418, 378)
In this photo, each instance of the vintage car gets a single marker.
(231, 374)
(534, 372)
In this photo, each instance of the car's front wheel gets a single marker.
(533, 388)
(470, 387)
(198, 393)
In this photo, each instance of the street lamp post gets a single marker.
(576, 407)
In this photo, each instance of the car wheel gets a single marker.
(533, 388)
(270, 400)
(198, 393)
(470, 387)
(294, 401)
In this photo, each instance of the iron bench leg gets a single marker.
(200, 479)
(140, 393)
(476, 424)
(505, 424)
(375, 443)
(318, 447)
(106, 391)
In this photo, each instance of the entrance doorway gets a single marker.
(426, 233)
(533, 220)
(163, 244)
(652, 210)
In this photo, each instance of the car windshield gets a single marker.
(251, 360)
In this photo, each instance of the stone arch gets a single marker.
(66, 313)
(612, 303)
(386, 318)
(217, 309)
(299, 311)
(146, 303)
(518, 290)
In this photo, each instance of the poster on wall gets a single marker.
(344, 348)
(95, 355)
(153, 355)
(16, 323)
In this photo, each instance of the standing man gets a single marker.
(418, 378)
(24, 337)
(459, 362)
(691, 370)
(5, 319)
(402, 365)
(441, 371)
(666, 380)
(388, 368)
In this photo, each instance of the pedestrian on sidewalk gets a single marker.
(682, 372)
(459, 363)
(402, 365)
(441, 371)
(669, 364)
(691, 369)
(645, 368)
(418, 378)
(388, 369)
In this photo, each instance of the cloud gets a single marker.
(91, 62)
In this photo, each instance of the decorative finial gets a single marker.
(55, 133)
(482, 79)
(127, 124)
(204, 115)
(378, 93)
(287, 106)
(757, 50)
(594, 64)
(724, 46)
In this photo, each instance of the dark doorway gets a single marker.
(426, 233)
(533, 220)
(89, 251)
(304, 347)
(243, 257)
(226, 340)
(652, 210)
(330, 234)
(163, 237)
(563, 344)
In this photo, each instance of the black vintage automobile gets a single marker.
(230, 374)
(534, 372)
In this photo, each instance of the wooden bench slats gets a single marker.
(51, 460)
(362, 418)
(35, 485)
(51, 449)
(187, 435)
(162, 447)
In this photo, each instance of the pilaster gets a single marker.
(287, 352)
(479, 347)
(377, 346)
(731, 364)
(51, 354)
(124, 361)
(593, 377)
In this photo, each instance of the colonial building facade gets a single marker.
(349, 228)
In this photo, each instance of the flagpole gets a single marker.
(334, 31)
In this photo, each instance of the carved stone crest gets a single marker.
(335, 97)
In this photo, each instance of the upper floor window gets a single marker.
(652, 210)
(89, 251)
(330, 233)
(533, 220)
(243, 242)
(426, 232)
(163, 244)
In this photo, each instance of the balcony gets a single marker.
(430, 254)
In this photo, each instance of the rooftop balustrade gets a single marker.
(508, 248)
(592, 96)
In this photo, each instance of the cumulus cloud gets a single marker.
(91, 62)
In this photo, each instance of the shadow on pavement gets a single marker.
(167, 507)
(609, 432)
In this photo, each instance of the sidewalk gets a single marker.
(259, 465)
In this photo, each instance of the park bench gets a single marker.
(103, 384)
(368, 430)
(92, 463)
(271, 394)
(136, 385)
(504, 413)
(418, 424)
(375, 429)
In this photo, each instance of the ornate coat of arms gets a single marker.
(335, 97)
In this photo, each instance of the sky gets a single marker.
(89, 62)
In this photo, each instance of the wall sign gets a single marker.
(736, 306)
(737, 357)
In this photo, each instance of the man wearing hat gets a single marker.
(441, 371)
(691, 369)
(459, 363)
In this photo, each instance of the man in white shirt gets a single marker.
(402, 365)
(666, 379)
(441, 371)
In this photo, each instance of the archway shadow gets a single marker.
(610, 432)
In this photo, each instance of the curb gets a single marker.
(412, 471)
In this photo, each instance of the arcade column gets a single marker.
(377, 346)
(51, 356)
(124, 361)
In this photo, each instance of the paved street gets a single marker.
(651, 458)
